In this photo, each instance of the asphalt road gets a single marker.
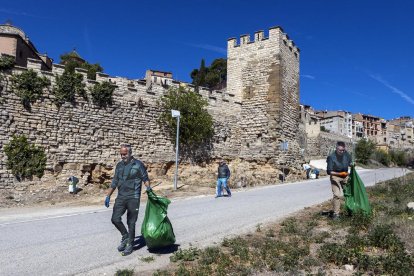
(83, 241)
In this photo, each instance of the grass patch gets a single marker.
(148, 259)
(124, 272)
(313, 244)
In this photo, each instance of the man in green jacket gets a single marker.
(128, 177)
(337, 167)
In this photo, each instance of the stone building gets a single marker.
(399, 134)
(357, 128)
(15, 43)
(339, 122)
(257, 114)
(158, 77)
(263, 76)
(372, 124)
(310, 121)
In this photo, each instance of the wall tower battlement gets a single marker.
(264, 76)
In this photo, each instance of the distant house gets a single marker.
(15, 43)
(357, 128)
(158, 77)
(371, 124)
(339, 122)
(310, 121)
(400, 132)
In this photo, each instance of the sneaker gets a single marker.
(123, 243)
(335, 217)
(217, 196)
(128, 249)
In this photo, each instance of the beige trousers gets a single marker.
(337, 184)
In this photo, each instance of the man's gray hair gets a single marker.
(128, 147)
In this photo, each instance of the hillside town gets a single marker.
(395, 134)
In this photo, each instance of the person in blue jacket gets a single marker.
(129, 175)
(223, 176)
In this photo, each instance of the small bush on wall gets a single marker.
(29, 86)
(6, 63)
(68, 85)
(24, 159)
(102, 93)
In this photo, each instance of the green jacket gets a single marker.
(336, 163)
(128, 178)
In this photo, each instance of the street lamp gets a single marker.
(176, 114)
(284, 146)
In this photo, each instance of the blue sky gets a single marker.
(356, 55)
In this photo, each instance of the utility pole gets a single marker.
(176, 114)
(284, 147)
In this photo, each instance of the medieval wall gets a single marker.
(259, 111)
(83, 135)
(264, 76)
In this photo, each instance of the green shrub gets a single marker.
(29, 86)
(102, 93)
(148, 259)
(382, 156)
(68, 85)
(196, 124)
(6, 63)
(124, 272)
(383, 236)
(363, 150)
(24, 159)
(398, 263)
(72, 60)
(209, 255)
(189, 254)
(398, 157)
(334, 253)
(290, 226)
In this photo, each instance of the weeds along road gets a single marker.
(83, 241)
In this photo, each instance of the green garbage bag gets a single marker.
(156, 227)
(356, 198)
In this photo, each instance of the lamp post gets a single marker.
(284, 146)
(176, 114)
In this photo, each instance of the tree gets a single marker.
(363, 150)
(24, 159)
(72, 60)
(213, 77)
(218, 71)
(196, 124)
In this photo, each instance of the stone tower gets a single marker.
(263, 75)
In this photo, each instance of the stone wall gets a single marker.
(82, 136)
(320, 146)
(259, 111)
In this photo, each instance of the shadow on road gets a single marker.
(164, 250)
(139, 243)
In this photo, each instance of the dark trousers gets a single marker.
(131, 206)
